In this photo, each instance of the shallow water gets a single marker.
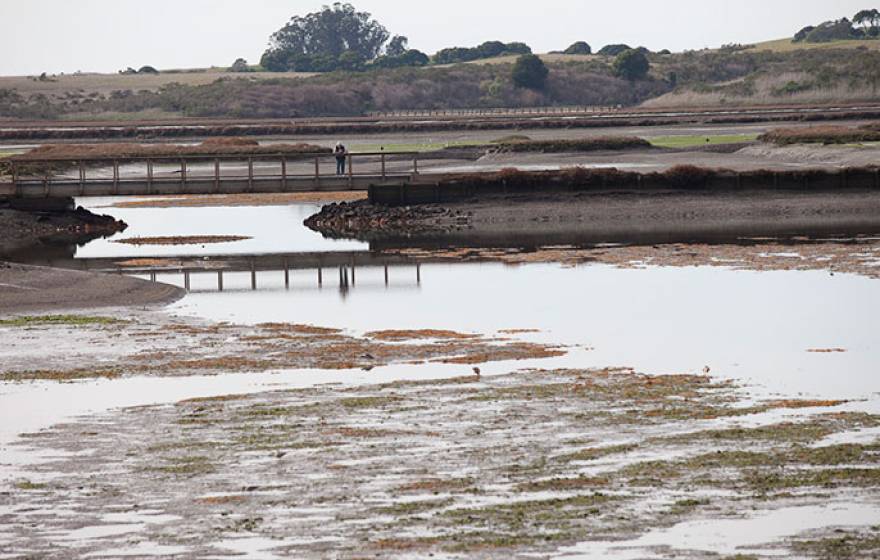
(754, 326)
(274, 229)
(744, 535)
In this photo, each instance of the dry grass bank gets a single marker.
(210, 147)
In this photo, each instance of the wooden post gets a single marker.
(383, 166)
(283, 173)
(286, 274)
(82, 179)
(253, 276)
(182, 175)
(352, 273)
(217, 177)
(350, 166)
(386, 275)
(186, 280)
(320, 277)
(219, 280)
(419, 274)
(317, 168)
(115, 177)
(250, 174)
(149, 176)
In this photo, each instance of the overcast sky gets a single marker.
(108, 35)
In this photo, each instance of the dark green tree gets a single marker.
(324, 35)
(613, 50)
(868, 19)
(580, 47)
(398, 46)
(530, 72)
(240, 65)
(631, 65)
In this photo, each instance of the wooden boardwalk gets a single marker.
(161, 175)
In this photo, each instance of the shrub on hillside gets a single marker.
(489, 49)
(580, 47)
(632, 65)
(530, 72)
(613, 50)
(832, 31)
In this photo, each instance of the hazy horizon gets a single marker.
(58, 36)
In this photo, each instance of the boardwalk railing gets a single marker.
(206, 174)
(497, 111)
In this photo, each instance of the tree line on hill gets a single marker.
(339, 37)
(864, 25)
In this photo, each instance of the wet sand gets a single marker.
(28, 289)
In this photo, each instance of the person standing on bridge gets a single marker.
(341, 154)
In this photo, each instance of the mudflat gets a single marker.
(32, 288)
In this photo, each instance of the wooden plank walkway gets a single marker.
(159, 175)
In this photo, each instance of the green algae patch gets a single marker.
(59, 320)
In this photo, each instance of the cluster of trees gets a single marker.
(341, 38)
(336, 38)
(141, 70)
(489, 49)
(864, 25)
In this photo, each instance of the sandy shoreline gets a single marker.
(32, 288)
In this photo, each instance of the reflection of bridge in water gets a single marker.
(322, 266)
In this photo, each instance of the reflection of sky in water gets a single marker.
(756, 326)
(275, 229)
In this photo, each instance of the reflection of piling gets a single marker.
(153, 277)
(419, 274)
(320, 277)
(343, 281)
(186, 280)
(286, 274)
(253, 276)
(386, 275)
(219, 280)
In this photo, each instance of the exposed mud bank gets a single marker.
(32, 288)
(154, 344)
(20, 230)
(517, 466)
(627, 216)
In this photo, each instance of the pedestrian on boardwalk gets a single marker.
(341, 153)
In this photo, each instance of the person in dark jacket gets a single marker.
(341, 154)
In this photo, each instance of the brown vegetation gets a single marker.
(579, 145)
(211, 147)
(821, 135)
(191, 240)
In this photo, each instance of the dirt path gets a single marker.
(29, 289)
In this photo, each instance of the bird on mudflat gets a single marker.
(477, 371)
(707, 369)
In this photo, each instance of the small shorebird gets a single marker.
(477, 371)
(707, 369)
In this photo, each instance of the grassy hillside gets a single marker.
(774, 73)
(786, 46)
(105, 84)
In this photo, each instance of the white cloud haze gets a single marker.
(108, 35)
